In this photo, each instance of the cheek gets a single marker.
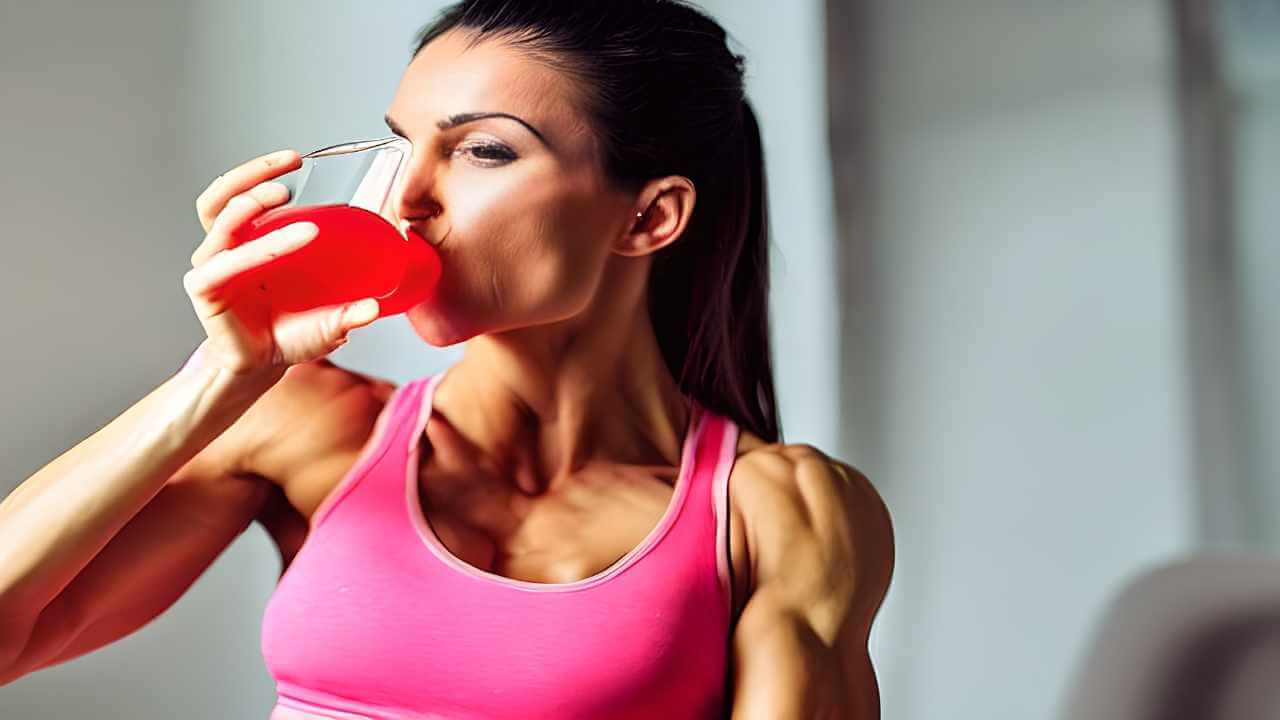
(533, 254)
(548, 271)
(504, 286)
(560, 280)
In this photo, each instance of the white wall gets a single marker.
(1034, 401)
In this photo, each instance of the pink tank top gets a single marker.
(375, 618)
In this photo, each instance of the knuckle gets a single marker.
(208, 193)
(270, 190)
(196, 281)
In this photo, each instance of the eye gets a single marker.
(488, 153)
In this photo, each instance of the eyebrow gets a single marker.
(454, 121)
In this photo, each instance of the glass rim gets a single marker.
(353, 147)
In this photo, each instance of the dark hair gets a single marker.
(663, 95)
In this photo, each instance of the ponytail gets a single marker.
(709, 298)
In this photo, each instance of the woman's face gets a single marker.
(521, 217)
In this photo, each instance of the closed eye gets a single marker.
(490, 153)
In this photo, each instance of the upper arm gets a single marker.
(145, 567)
(332, 412)
(164, 548)
(822, 546)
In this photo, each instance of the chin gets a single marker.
(436, 326)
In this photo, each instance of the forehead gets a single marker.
(447, 77)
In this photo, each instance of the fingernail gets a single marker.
(363, 311)
(280, 156)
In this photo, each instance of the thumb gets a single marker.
(358, 314)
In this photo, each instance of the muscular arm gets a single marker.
(336, 410)
(822, 547)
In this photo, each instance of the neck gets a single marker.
(539, 403)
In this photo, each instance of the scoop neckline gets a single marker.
(413, 501)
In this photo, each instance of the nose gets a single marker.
(412, 197)
(413, 205)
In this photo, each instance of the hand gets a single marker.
(245, 335)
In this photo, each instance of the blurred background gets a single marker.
(1024, 275)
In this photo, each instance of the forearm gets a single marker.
(54, 523)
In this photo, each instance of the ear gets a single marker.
(659, 216)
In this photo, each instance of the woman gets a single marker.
(590, 514)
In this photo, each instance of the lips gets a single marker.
(414, 235)
(422, 271)
(418, 231)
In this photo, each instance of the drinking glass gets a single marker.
(360, 250)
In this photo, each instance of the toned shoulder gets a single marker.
(803, 508)
(800, 477)
(317, 409)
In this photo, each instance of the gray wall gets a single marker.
(1033, 408)
(99, 225)
(1251, 44)
(116, 118)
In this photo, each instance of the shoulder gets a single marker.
(817, 529)
(821, 549)
(316, 409)
(800, 483)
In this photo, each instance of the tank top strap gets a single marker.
(716, 445)
(717, 452)
(411, 418)
(390, 427)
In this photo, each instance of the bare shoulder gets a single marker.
(799, 504)
(821, 546)
(317, 417)
(799, 475)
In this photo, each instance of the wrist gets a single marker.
(198, 364)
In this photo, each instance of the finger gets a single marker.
(239, 210)
(204, 283)
(235, 181)
(318, 332)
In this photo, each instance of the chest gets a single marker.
(570, 533)
(360, 606)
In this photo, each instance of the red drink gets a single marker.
(357, 254)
